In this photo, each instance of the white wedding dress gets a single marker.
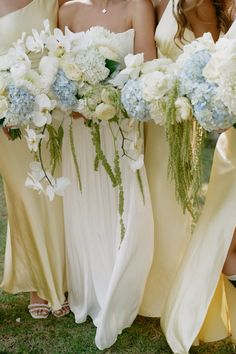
(106, 278)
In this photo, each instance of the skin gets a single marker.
(122, 15)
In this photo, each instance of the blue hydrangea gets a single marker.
(21, 105)
(209, 110)
(191, 73)
(65, 90)
(133, 102)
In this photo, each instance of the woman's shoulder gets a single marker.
(140, 4)
(70, 6)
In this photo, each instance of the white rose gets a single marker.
(154, 85)
(3, 107)
(105, 111)
(161, 64)
(184, 109)
(72, 71)
(105, 96)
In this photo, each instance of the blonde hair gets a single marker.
(224, 10)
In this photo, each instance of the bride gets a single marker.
(106, 276)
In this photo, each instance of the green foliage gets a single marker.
(186, 141)
(112, 65)
(100, 156)
(55, 145)
(72, 145)
(15, 134)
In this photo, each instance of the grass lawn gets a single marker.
(19, 333)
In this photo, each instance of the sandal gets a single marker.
(39, 311)
(63, 311)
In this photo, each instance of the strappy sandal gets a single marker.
(63, 311)
(39, 311)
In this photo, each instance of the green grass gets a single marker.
(19, 333)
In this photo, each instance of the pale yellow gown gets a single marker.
(34, 259)
(172, 227)
(202, 303)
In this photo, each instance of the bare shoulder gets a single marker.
(140, 5)
(67, 12)
(69, 7)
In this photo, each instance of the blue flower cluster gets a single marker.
(133, 102)
(21, 105)
(209, 110)
(65, 90)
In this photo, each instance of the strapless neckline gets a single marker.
(107, 29)
(18, 10)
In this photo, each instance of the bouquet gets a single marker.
(202, 100)
(26, 105)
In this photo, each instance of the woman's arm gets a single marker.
(144, 24)
(202, 19)
(160, 9)
(61, 2)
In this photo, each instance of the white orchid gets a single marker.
(133, 65)
(137, 164)
(57, 187)
(58, 43)
(33, 139)
(37, 41)
(43, 107)
(34, 179)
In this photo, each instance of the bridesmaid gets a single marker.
(102, 270)
(34, 259)
(200, 303)
(172, 226)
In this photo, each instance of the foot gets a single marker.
(38, 307)
(63, 311)
(39, 311)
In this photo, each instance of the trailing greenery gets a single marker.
(100, 156)
(186, 141)
(72, 145)
(55, 145)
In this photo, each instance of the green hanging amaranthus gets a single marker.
(186, 141)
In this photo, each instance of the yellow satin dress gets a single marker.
(172, 227)
(202, 303)
(35, 252)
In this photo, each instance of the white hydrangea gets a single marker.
(92, 65)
